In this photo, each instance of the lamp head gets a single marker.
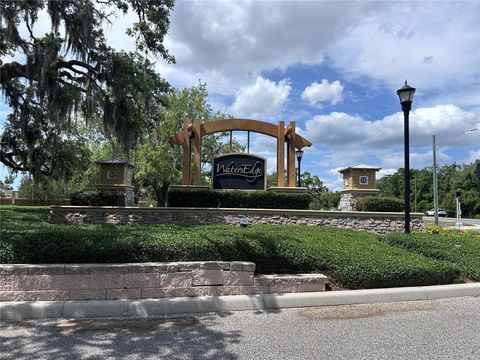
(405, 93)
(299, 154)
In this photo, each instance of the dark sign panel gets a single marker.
(238, 171)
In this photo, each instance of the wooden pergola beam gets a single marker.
(198, 130)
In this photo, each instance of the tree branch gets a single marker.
(14, 70)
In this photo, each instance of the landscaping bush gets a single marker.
(10, 213)
(353, 258)
(461, 248)
(97, 198)
(238, 199)
(377, 203)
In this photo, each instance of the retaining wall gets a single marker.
(378, 222)
(145, 281)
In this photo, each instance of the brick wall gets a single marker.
(144, 281)
(376, 222)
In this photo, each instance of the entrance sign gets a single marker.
(238, 171)
(192, 133)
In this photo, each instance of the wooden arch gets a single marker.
(195, 132)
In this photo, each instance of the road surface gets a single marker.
(441, 329)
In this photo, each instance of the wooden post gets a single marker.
(186, 152)
(197, 155)
(281, 154)
(291, 155)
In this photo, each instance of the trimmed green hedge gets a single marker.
(238, 199)
(9, 213)
(377, 203)
(97, 198)
(354, 259)
(462, 249)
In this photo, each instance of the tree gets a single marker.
(451, 178)
(326, 201)
(160, 163)
(313, 184)
(7, 183)
(60, 75)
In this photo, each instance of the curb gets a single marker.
(22, 310)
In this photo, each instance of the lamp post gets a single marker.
(405, 93)
(435, 146)
(299, 154)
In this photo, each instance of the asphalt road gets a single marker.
(450, 220)
(441, 329)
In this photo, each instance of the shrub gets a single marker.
(353, 258)
(238, 199)
(377, 203)
(97, 198)
(459, 247)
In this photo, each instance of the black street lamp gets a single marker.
(405, 93)
(299, 154)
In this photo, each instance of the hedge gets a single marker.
(377, 203)
(354, 259)
(460, 248)
(97, 198)
(238, 199)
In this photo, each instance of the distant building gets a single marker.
(117, 176)
(357, 182)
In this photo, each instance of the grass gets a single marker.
(354, 259)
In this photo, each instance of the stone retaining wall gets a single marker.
(145, 280)
(370, 221)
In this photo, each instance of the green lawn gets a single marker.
(354, 259)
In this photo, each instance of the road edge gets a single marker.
(23, 310)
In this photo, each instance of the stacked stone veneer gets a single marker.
(145, 280)
(371, 221)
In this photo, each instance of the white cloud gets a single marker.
(264, 99)
(344, 131)
(473, 156)
(325, 91)
(385, 172)
(433, 44)
(229, 43)
(418, 160)
(334, 184)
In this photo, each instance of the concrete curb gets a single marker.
(204, 304)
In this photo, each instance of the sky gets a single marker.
(333, 67)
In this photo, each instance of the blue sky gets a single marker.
(334, 67)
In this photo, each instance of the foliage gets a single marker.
(378, 203)
(318, 191)
(7, 183)
(451, 178)
(355, 259)
(459, 247)
(23, 215)
(159, 163)
(97, 198)
(326, 201)
(70, 70)
(237, 199)
(42, 190)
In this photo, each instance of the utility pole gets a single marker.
(435, 180)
